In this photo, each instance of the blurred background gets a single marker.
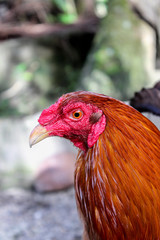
(48, 48)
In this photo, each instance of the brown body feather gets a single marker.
(117, 182)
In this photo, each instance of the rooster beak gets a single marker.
(38, 134)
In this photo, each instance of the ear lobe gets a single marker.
(95, 117)
(96, 130)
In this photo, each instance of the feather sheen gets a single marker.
(117, 181)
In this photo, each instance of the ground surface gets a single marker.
(25, 215)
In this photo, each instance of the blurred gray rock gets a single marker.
(55, 173)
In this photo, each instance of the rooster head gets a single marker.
(72, 117)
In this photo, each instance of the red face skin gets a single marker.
(77, 121)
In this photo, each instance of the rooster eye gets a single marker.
(77, 114)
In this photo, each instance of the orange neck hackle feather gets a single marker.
(117, 182)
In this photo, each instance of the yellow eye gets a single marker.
(77, 114)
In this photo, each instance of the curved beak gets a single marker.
(38, 134)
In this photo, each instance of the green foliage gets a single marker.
(22, 72)
(116, 65)
(61, 4)
(67, 14)
(6, 109)
(67, 18)
(49, 67)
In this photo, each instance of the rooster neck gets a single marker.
(89, 184)
(118, 188)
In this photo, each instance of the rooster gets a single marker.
(117, 175)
